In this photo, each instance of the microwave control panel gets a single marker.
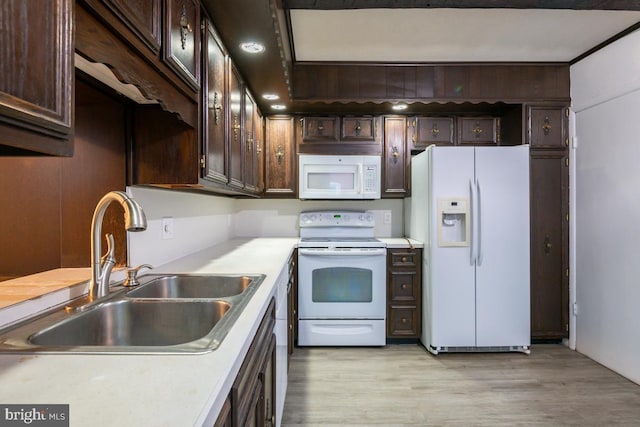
(370, 178)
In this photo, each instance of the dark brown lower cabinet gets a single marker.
(404, 293)
(252, 397)
(549, 244)
(224, 418)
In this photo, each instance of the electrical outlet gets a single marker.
(167, 228)
(387, 217)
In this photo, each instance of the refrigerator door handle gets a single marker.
(472, 203)
(479, 202)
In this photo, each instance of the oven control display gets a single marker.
(324, 219)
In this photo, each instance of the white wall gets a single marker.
(605, 90)
(202, 220)
(199, 221)
(272, 217)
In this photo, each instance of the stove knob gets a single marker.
(361, 217)
(313, 218)
(369, 217)
(304, 218)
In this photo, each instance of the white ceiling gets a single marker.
(452, 35)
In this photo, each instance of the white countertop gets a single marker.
(158, 390)
(154, 390)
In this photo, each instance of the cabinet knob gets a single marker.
(404, 286)
(434, 130)
(404, 259)
(546, 125)
(404, 320)
(395, 153)
(280, 154)
(185, 27)
(357, 129)
(477, 130)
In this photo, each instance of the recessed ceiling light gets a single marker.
(278, 107)
(399, 107)
(270, 96)
(252, 47)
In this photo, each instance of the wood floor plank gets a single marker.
(404, 385)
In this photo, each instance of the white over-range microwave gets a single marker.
(339, 177)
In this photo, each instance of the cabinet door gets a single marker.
(395, 176)
(36, 74)
(320, 129)
(224, 418)
(236, 135)
(268, 380)
(249, 161)
(258, 126)
(549, 244)
(547, 126)
(142, 17)
(358, 129)
(214, 97)
(479, 130)
(280, 158)
(431, 130)
(182, 39)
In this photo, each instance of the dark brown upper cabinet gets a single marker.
(142, 17)
(478, 130)
(182, 39)
(339, 135)
(236, 132)
(425, 131)
(547, 126)
(36, 76)
(358, 129)
(250, 158)
(214, 100)
(395, 179)
(280, 174)
(320, 129)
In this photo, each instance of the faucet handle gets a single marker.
(109, 256)
(132, 275)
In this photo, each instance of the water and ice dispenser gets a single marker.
(453, 222)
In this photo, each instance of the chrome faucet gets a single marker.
(134, 220)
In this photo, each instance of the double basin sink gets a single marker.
(168, 313)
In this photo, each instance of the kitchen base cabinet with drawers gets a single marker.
(404, 283)
(251, 401)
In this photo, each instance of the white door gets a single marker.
(451, 293)
(502, 272)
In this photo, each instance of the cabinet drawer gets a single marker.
(432, 130)
(358, 129)
(404, 286)
(404, 258)
(403, 322)
(322, 129)
(479, 130)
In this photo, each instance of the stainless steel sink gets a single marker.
(167, 314)
(135, 323)
(191, 286)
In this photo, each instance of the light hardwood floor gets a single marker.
(404, 385)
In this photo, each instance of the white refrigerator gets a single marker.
(470, 207)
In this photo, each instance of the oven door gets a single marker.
(342, 283)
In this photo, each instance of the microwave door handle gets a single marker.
(361, 178)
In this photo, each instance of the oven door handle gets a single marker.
(350, 252)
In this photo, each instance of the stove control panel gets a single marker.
(337, 218)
